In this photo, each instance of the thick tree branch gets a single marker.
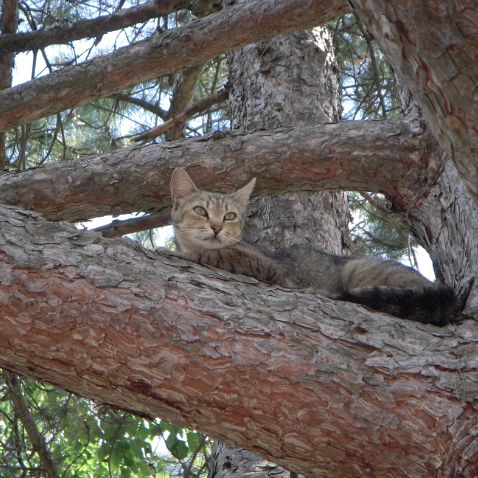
(433, 46)
(315, 157)
(59, 34)
(166, 53)
(272, 370)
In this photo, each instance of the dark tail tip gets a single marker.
(435, 305)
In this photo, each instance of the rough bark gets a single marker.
(312, 157)
(268, 369)
(62, 34)
(445, 222)
(289, 80)
(433, 46)
(162, 54)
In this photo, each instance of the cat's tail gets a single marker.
(435, 305)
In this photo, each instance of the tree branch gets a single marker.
(120, 228)
(155, 109)
(21, 409)
(182, 117)
(269, 369)
(8, 25)
(307, 158)
(183, 95)
(162, 54)
(433, 46)
(61, 34)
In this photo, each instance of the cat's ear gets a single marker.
(243, 194)
(181, 185)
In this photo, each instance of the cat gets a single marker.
(208, 228)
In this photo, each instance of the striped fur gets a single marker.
(208, 230)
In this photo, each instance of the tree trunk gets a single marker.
(444, 220)
(271, 370)
(433, 46)
(228, 461)
(290, 80)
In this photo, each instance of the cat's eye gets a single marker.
(230, 216)
(200, 210)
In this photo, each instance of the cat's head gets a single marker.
(205, 220)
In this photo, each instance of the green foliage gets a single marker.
(87, 439)
(378, 231)
(369, 91)
(368, 87)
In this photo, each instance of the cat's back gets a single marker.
(315, 268)
(333, 274)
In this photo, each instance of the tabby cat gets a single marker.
(208, 230)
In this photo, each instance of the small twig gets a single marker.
(187, 113)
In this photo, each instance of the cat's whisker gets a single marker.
(234, 239)
(191, 229)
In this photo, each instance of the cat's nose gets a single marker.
(216, 228)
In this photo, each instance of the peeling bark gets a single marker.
(271, 370)
(162, 54)
(306, 158)
(433, 46)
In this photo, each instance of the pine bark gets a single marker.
(445, 222)
(268, 369)
(304, 158)
(290, 80)
(433, 46)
